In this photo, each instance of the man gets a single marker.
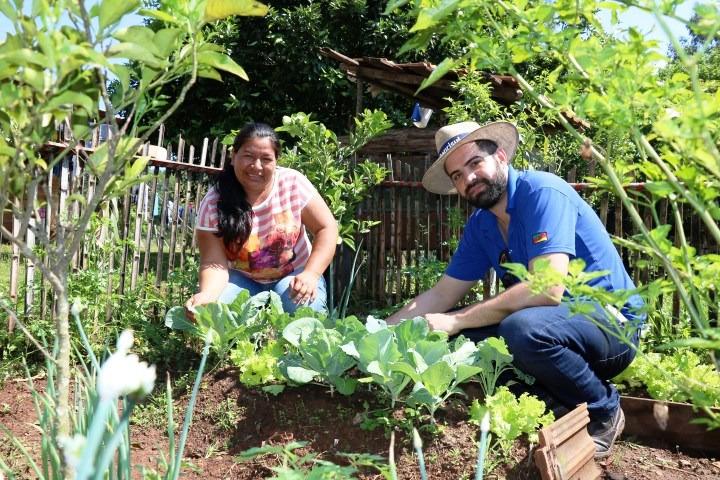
(523, 217)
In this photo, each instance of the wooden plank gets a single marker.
(137, 237)
(213, 152)
(370, 73)
(618, 222)
(604, 204)
(670, 422)
(382, 287)
(14, 270)
(75, 181)
(566, 450)
(187, 219)
(110, 271)
(161, 230)
(174, 223)
(203, 155)
(335, 55)
(374, 253)
(125, 231)
(64, 192)
(199, 193)
(49, 215)
(150, 222)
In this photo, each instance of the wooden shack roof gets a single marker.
(406, 78)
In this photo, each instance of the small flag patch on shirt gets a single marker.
(539, 238)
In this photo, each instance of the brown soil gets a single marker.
(230, 418)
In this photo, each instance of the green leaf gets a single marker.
(134, 51)
(394, 5)
(301, 375)
(301, 329)
(464, 372)
(223, 62)
(111, 11)
(176, 318)
(660, 189)
(219, 9)
(439, 72)
(406, 369)
(138, 34)
(346, 386)
(159, 15)
(273, 389)
(437, 378)
(429, 17)
(167, 40)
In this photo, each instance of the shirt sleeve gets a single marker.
(305, 189)
(207, 217)
(549, 218)
(470, 261)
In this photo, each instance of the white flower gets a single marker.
(76, 308)
(72, 448)
(124, 374)
(125, 341)
(485, 423)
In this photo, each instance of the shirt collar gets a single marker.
(511, 184)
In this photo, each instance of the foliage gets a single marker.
(99, 442)
(296, 466)
(54, 70)
(331, 167)
(669, 128)
(542, 147)
(281, 54)
(677, 376)
(319, 354)
(271, 348)
(511, 417)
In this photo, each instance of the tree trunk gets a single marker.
(62, 358)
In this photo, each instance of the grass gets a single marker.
(5, 260)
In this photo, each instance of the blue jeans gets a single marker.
(238, 281)
(571, 356)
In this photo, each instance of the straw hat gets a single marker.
(451, 137)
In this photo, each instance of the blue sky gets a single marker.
(647, 24)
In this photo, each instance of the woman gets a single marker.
(251, 229)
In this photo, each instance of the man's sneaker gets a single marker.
(604, 432)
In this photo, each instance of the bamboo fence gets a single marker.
(155, 225)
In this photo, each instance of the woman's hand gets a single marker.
(200, 298)
(303, 287)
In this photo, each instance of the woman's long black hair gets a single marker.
(235, 214)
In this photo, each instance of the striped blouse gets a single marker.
(278, 243)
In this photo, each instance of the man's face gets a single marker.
(478, 177)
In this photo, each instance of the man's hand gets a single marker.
(303, 288)
(444, 321)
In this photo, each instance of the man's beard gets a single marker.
(491, 194)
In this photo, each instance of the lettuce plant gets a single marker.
(318, 355)
(511, 416)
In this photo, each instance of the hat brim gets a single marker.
(504, 134)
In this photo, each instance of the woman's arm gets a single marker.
(318, 220)
(213, 273)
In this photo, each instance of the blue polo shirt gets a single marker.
(546, 216)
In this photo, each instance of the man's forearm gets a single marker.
(495, 309)
(426, 302)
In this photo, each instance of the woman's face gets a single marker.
(254, 164)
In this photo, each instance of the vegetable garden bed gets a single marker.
(231, 418)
